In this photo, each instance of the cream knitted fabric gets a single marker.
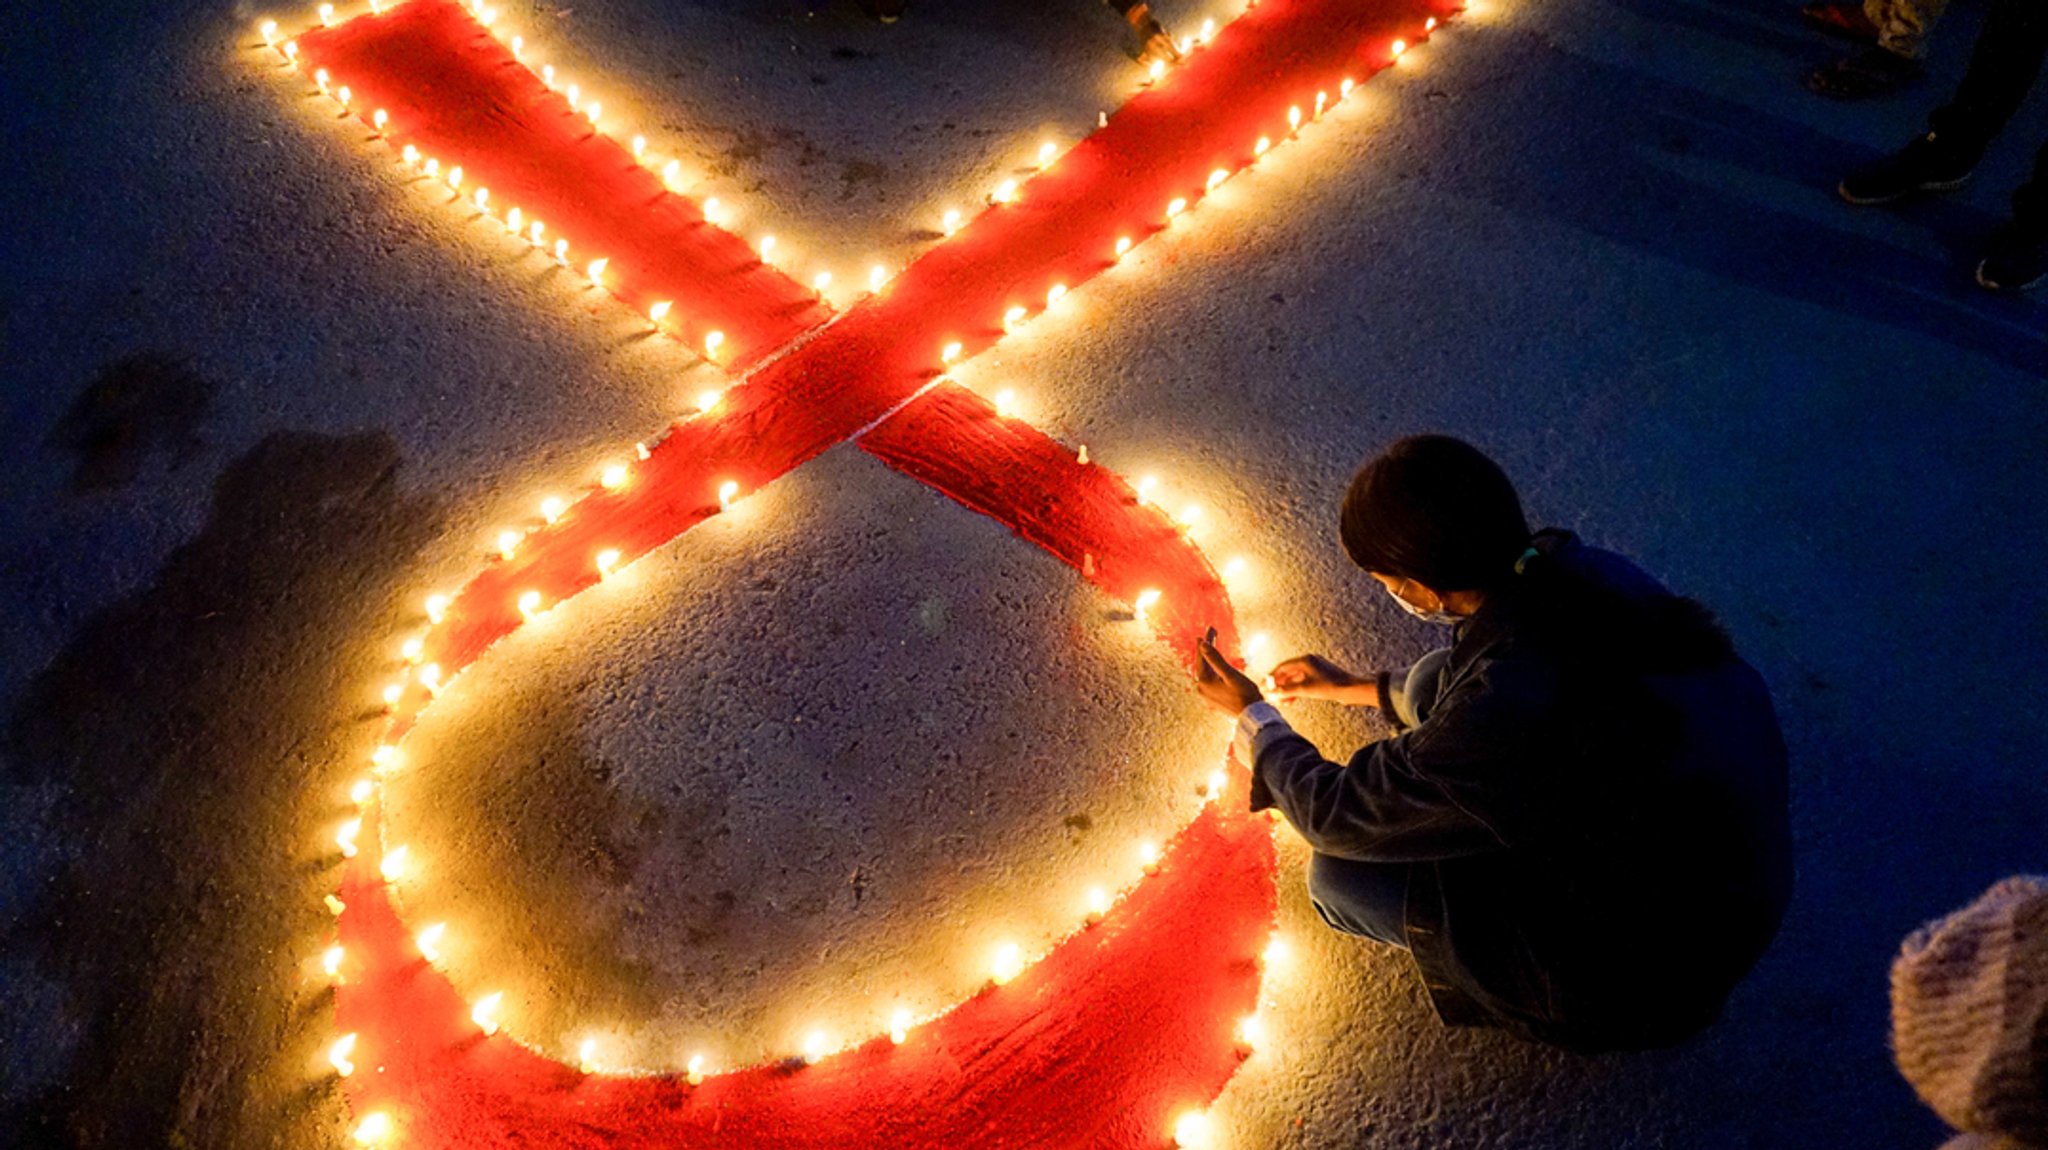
(1970, 1013)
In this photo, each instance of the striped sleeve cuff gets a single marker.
(1258, 726)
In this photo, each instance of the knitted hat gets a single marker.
(1970, 1013)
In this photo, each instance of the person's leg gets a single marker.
(1366, 899)
(2016, 255)
(2003, 66)
(1413, 692)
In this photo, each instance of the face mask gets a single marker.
(1437, 616)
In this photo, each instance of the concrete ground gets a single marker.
(260, 395)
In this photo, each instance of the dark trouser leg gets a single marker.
(1365, 899)
(2002, 69)
(2030, 201)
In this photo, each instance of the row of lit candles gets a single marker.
(1009, 960)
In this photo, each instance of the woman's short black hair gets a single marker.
(1436, 510)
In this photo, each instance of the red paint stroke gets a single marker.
(1123, 1024)
(1126, 1024)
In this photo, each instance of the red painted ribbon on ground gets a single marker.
(1123, 1024)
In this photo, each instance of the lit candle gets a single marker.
(547, 75)
(694, 1071)
(706, 400)
(485, 1014)
(455, 176)
(816, 1044)
(726, 492)
(820, 282)
(639, 146)
(379, 118)
(1098, 903)
(1251, 1031)
(1277, 952)
(1157, 70)
(338, 1055)
(551, 508)
(1216, 177)
(429, 941)
(384, 758)
(949, 353)
(1013, 317)
(1398, 47)
(393, 865)
(334, 905)
(596, 270)
(1045, 153)
(586, 1056)
(877, 276)
(606, 560)
(345, 838)
(1123, 245)
(613, 477)
(331, 959)
(1259, 149)
(518, 47)
(1344, 87)
(326, 14)
(899, 1026)
(712, 340)
(1007, 964)
(711, 210)
(1005, 192)
(671, 172)
(410, 154)
(374, 1130)
(269, 30)
(513, 219)
(529, 605)
(433, 168)
(1175, 206)
(1294, 117)
(430, 677)
(1194, 1131)
(361, 792)
(767, 248)
(595, 109)
(562, 252)
(393, 693)
(1148, 855)
(320, 78)
(950, 222)
(534, 230)
(1322, 99)
(1145, 486)
(1006, 403)
(659, 311)
(1429, 25)
(483, 199)
(1053, 294)
(343, 95)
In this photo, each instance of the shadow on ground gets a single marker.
(193, 741)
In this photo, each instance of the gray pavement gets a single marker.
(260, 395)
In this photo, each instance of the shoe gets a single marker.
(1839, 19)
(2014, 260)
(1875, 71)
(1921, 166)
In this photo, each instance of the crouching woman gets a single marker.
(1579, 828)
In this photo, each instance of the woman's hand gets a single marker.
(1314, 677)
(1221, 685)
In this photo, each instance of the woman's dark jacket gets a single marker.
(1598, 856)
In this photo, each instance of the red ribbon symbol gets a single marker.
(1125, 1024)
